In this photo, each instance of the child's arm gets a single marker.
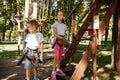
(55, 33)
(41, 47)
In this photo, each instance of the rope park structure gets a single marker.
(89, 18)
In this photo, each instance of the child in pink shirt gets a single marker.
(59, 29)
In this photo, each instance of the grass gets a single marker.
(104, 69)
(9, 51)
(8, 42)
(4, 55)
(101, 52)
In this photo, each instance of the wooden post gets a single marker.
(26, 9)
(19, 37)
(73, 32)
(95, 27)
(18, 21)
(118, 54)
(27, 2)
(94, 54)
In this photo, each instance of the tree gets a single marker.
(8, 10)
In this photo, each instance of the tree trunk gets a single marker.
(26, 17)
(4, 30)
(49, 8)
(114, 38)
(3, 35)
(106, 33)
(9, 37)
(118, 48)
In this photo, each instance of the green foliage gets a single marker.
(8, 12)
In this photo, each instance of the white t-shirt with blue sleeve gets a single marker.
(61, 28)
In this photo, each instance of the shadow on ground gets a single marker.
(10, 71)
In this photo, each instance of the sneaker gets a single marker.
(60, 72)
(36, 79)
(53, 76)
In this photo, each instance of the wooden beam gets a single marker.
(73, 31)
(107, 17)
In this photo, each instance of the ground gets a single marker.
(10, 71)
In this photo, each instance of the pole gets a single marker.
(26, 14)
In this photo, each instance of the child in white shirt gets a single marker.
(34, 41)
